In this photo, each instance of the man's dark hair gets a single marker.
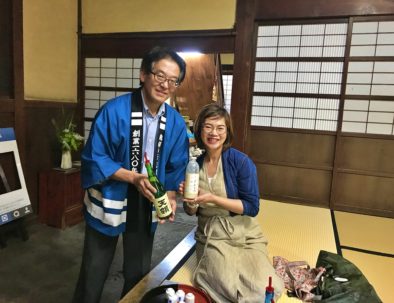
(158, 53)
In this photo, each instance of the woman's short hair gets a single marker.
(158, 53)
(213, 110)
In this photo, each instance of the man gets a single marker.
(118, 192)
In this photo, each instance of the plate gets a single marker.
(158, 294)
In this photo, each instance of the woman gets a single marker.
(233, 264)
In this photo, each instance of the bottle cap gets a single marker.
(146, 160)
(172, 298)
(170, 292)
(269, 288)
(180, 294)
(189, 298)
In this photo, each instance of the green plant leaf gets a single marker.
(68, 138)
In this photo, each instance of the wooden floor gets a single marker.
(300, 232)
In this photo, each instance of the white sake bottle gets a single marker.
(192, 179)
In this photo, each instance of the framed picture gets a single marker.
(14, 199)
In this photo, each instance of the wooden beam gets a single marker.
(19, 95)
(136, 44)
(241, 93)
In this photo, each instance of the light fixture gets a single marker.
(189, 54)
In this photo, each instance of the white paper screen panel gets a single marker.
(370, 79)
(281, 68)
(227, 90)
(306, 40)
(372, 39)
(293, 112)
(368, 116)
(94, 99)
(111, 74)
(374, 78)
(298, 76)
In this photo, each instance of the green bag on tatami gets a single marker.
(343, 282)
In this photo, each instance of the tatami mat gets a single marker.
(296, 232)
(365, 232)
(377, 269)
(184, 274)
(299, 233)
(293, 231)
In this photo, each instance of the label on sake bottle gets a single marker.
(163, 206)
(191, 185)
(192, 179)
(161, 201)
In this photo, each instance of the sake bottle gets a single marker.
(161, 201)
(192, 178)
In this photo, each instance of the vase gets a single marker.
(66, 160)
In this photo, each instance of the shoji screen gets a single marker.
(322, 112)
(106, 78)
(369, 102)
(298, 75)
(227, 89)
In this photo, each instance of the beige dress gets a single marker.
(233, 264)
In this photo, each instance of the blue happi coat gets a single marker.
(108, 149)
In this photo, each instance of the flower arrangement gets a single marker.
(69, 139)
(194, 151)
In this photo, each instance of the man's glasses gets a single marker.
(209, 128)
(160, 77)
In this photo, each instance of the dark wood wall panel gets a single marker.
(43, 152)
(6, 47)
(298, 149)
(7, 120)
(366, 154)
(136, 44)
(196, 89)
(294, 166)
(365, 194)
(299, 185)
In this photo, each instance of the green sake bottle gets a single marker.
(161, 201)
